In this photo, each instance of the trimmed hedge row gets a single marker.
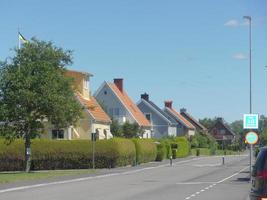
(183, 147)
(55, 154)
(146, 150)
(176, 147)
(77, 154)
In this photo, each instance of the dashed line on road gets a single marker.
(214, 184)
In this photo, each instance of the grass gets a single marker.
(11, 177)
(206, 152)
(203, 151)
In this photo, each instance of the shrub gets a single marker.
(183, 147)
(63, 154)
(168, 148)
(146, 150)
(161, 151)
(174, 153)
(197, 152)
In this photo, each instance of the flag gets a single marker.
(22, 39)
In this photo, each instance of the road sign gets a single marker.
(252, 137)
(251, 121)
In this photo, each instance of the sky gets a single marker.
(195, 53)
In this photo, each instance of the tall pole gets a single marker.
(250, 89)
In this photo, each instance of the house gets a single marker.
(199, 127)
(161, 125)
(120, 107)
(183, 127)
(222, 132)
(94, 119)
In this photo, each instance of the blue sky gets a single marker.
(192, 52)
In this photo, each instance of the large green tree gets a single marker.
(33, 89)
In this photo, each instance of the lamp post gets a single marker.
(250, 91)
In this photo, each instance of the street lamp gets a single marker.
(250, 92)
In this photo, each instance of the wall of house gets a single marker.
(79, 83)
(172, 131)
(103, 131)
(113, 107)
(147, 133)
(159, 125)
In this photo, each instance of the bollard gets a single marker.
(171, 160)
(223, 160)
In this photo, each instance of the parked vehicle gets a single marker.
(259, 177)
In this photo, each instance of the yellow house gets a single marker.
(94, 119)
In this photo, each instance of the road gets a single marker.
(200, 178)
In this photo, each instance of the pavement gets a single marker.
(194, 178)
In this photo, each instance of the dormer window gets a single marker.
(86, 83)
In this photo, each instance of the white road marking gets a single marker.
(214, 184)
(194, 183)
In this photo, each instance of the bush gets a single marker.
(146, 150)
(197, 152)
(161, 152)
(174, 153)
(167, 144)
(183, 147)
(63, 154)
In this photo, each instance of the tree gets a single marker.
(131, 130)
(208, 122)
(33, 89)
(116, 128)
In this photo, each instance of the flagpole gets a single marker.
(18, 39)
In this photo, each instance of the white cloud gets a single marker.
(235, 23)
(232, 23)
(239, 56)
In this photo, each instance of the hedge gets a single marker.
(161, 151)
(183, 149)
(146, 150)
(64, 154)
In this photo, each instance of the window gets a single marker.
(148, 116)
(222, 131)
(117, 112)
(58, 134)
(86, 83)
(110, 111)
(105, 92)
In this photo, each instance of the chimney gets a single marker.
(119, 83)
(183, 110)
(168, 104)
(220, 119)
(145, 96)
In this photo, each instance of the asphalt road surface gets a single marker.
(203, 178)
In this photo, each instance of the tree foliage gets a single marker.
(33, 89)
(127, 130)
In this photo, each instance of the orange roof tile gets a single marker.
(94, 108)
(130, 105)
(179, 116)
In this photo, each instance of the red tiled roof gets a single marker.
(130, 105)
(180, 117)
(94, 108)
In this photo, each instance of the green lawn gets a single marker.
(206, 151)
(11, 177)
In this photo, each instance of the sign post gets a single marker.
(93, 139)
(251, 121)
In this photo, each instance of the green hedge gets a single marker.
(146, 150)
(63, 154)
(183, 147)
(161, 152)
